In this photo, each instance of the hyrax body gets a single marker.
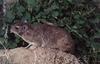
(44, 35)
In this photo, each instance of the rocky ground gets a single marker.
(36, 56)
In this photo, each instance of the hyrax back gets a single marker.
(44, 35)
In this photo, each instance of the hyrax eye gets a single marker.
(25, 27)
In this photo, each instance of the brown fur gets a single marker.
(44, 35)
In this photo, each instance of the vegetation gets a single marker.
(80, 17)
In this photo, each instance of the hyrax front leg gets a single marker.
(28, 46)
(32, 46)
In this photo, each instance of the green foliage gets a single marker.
(80, 17)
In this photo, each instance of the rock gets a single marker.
(37, 56)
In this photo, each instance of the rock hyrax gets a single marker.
(44, 35)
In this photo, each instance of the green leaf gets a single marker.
(74, 27)
(31, 3)
(70, 1)
(11, 44)
(51, 9)
(20, 8)
(28, 16)
(76, 15)
(9, 16)
(54, 6)
(96, 45)
(55, 13)
(66, 2)
(81, 22)
(2, 40)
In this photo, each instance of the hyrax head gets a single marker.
(19, 28)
